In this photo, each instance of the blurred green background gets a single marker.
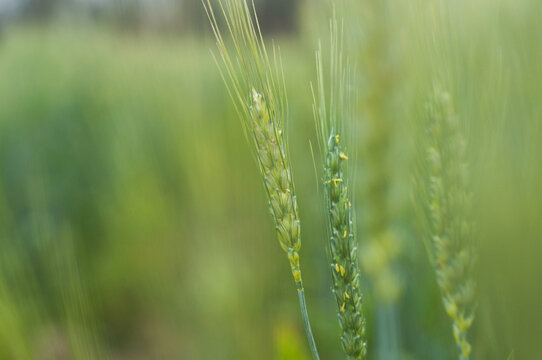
(133, 222)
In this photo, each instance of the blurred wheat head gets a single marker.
(377, 88)
(444, 201)
(333, 115)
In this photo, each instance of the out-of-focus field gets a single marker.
(134, 224)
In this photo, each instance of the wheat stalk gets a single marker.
(330, 122)
(256, 85)
(444, 201)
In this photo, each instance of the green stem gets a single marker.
(306, 321)
(388, 347)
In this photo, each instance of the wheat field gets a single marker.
(134, 223)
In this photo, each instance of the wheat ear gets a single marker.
(343, 251)
(256, 86)
(342, 246)
(443, 197)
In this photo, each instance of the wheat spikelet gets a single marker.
(442, 195)
(342, 245)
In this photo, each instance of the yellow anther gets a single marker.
(335, 181)
(343, 156)
(337, 139)
(346, 296)
(337, 268)
(345, 233)
(342, 270)
(342, 307)
(349, 203)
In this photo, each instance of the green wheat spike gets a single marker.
(331, 121)
(256, 86)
